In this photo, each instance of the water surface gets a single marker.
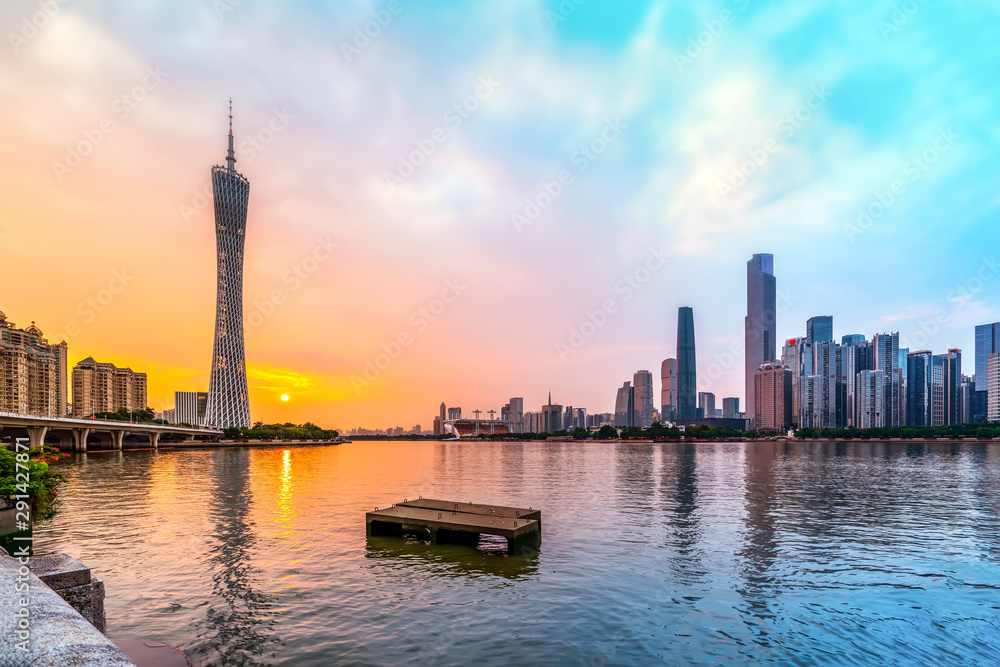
(817, 553)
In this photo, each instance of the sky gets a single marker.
(464, 202)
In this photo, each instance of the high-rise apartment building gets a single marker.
(761, 321)
(442, 417)
(642, 381)
(454, 413)
(33, 373)
(772, 397)
(687, 376)
(103, 387)
(190, 407)
(668, 390)
(228, 399)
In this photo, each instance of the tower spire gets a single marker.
(231, 157)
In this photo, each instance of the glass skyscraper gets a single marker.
(819, 329)
(687, 378)
(668, 390)
(228, 401)
(642, 381)
(761, 321)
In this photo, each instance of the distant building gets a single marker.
(552, 417)
(534, 422)
(668, 390)
(952, 382)
(919, 388)
(869, 392)
(687, 374)
(886, 359)
(760, 325)
(103, 387)
(819, 329)
(773, 397)
(968, 399)
(437, 425)
(513, 415)
(454, 413)
(730, 408)
(642, 381)
(33, 373)
(190, 407)
(987, 343)
(600, 419)
(442, 418)
(706, 405)
(625, 406)
(798, 358)
(993, 387)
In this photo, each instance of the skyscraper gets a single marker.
(687, 377)
(886, 359)
(189, 407)
(730, 407)
(668, 390)
(625, 406)
(228, 401)
(919, 389)
(819, 329)
(952, 382)
(987, 343)
(706, 404)
(442, 417)
(760, 323)
(643, 383)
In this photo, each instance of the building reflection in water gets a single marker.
(760, 551)
(679, 483)
(240, 629)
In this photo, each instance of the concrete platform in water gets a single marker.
(449, 521)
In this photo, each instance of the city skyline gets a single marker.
(326, 219)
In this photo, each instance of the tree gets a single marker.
(607, 433)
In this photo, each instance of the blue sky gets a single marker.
(886, 94)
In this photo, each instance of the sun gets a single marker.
(284, 397)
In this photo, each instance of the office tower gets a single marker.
(668, 390)
(819, 329)
(886, 359)
(514, 416)
(937, 390)
(687, 377)
(625, 406)
(772, 397)
(101, 387)
(228, 401)
(952, 386)
(852, 339)
(552, 416)
(993, 387)
(190, 407)
(642, 381)
(442, 416)
(731, 407)
(706, 404)
(856, 355)
(919, 389)
(794, 356)
(825, 384)
(987, 342)
(967, 398)
(454, 413)
(33, 373)
(760, 324)
(437, 425)
(869, 392)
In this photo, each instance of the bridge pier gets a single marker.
(154, 440)
(80, 439)
(36, 435)
(116, 439)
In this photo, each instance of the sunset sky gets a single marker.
(525, 160)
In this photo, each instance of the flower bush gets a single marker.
(42, 485)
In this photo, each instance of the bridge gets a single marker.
(76, 434)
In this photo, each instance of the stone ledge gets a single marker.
(60, 571)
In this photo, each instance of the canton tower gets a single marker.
(228, 403)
